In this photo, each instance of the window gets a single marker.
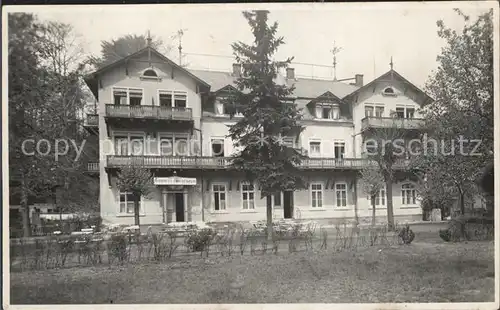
(410, 113)
(389, 91)
(327, 111)
(376, 111)
(121, 145)
(317, 195)
(150, 72)
(408, 194)
(181, 147)
(315, 148)
(175, 99)
(379, 199)
(248, 196)
(400, 112)
(180, 99)
(127, 203)
(370, 147)
(405, 112)
(218, 147)
(124, 96)
(277, 199)
(341, 194)
(368, 111)
(339, 149)
(165, 99)
(166, 146)
(119, 96)
(135, 97)
(137, 145)
(219, 192)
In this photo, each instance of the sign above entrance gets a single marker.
(175, 180)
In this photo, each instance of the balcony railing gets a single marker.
(149, 112)
(92, 167)
(178, 162)
(153, 161)
(390, 122)
(92, 120)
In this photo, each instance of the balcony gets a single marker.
(390, 122)
(149, 112)
(93, 167)
(183, 162)
(91, 122)
(161, 118)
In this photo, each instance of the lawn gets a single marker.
(428, 270)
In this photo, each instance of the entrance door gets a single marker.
(288, 204)
(179, 207)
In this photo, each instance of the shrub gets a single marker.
(445, 234)
(117, 247)
(406, 234)
(199, 240)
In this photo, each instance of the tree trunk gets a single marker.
(25, 210)
(269, 208)
(374, 216)
(462, 203)
(390, 210)
(356, 217)
(136, 211)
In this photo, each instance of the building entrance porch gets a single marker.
(175, 204)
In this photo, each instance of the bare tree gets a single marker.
(137, 181)
(387, 147)
(373, 182)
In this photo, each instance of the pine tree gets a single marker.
(269, 114)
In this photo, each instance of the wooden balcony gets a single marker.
(184, 162)
(148, 112)
(390, 122)
(148, 116)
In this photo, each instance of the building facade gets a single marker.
(152, 112)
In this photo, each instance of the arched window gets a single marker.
(408, 194)
(389, 91)
(150, 73)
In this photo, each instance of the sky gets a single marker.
(369, 34)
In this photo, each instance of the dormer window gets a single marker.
(222, 110)
(327, 111)
(389, 91)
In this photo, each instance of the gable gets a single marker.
(402, 89)
(157, 60)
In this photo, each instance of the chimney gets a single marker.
(290, 73)
(359, 80)
(236, 70)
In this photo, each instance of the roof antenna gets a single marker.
(148, 42)
(392, 69)
(180, 33)
(334, 52)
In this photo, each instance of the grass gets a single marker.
(428, 270)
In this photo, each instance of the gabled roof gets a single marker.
(389, 75)
(91, 79)
(304, 88)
